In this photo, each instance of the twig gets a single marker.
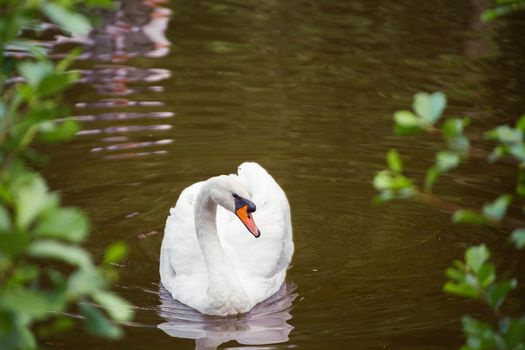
(450, 207)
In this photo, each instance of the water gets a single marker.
(176, 92)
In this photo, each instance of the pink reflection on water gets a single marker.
(125, 129)
(104, 72)
(115, 79)
(137, 28)
(123, 116)
(267, 323)
(117, 102)
(132, 145)
(121, 88)
(115, 139)
(89, 132)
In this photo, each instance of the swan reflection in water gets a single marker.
(265, 324)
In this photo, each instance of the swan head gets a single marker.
(231, 194)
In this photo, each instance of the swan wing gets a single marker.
(261, 263)
(182, 265)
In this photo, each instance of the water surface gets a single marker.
(176, 92)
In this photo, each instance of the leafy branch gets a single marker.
(475, 277)
(392, 183)
(503, 8)
(44, 270)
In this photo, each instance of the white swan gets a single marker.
(209, 260)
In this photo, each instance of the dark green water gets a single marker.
(307, 89)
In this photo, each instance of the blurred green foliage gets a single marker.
(502, 8)
(475, 277)
(44, 271)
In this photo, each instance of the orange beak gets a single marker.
(247, 220)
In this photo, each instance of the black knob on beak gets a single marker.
(241, 202)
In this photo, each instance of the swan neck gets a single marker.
(221, 273)
(206, 227)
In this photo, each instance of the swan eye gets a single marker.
(235, 196)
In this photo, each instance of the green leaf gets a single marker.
(489, 15)
(13, 243)
(13, 333)
(401, 182)
(480, 335)
(97, 324)
(455, 274)
(407, 122)
(387, 180)
(505, 8)
(384, 196)
(447, 160)
(460, 144)
(23, 274)
(52, 131)
(110, 4)
(468, 217)
(5, 220)
(515, 333)
(517, 151)
(454, 127)
(406, 192)
(72, 22)
(496, 210)
(383, 180)
(430, 178)
(69, 224)
(505, 134)
(35, 72)
(59, 326)
(520, 183)
(520, 124)
(471, 325)
(41, 113)
(115, 252)
(56, 250)
(486, 275)
(31, 198)
(495, 294)
(407, 119)
(497, 153)
(65, 63)
(461, 289)
(117, 308)
(429, 106)
(84, 282)
(56, 82)
(26, 302)
(476, 256)
(394, 161)
(518, 237)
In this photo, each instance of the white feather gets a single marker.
(254, 268)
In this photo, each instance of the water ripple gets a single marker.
(117, 102)
(123, 116)
(132, 145)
